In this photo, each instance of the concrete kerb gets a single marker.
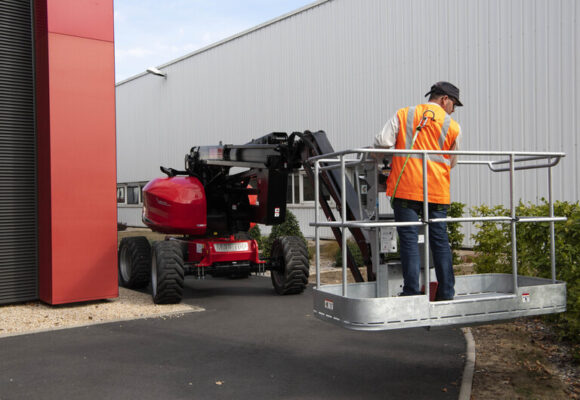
(467, 379)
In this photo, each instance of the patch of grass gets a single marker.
(335, 276)
(524, 391)
(328, 248)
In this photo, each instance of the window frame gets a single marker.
(134, 196)
(125, 188)
(292, 186)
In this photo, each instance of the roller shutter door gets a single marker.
(18, 214)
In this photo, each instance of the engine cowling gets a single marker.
(175, 205)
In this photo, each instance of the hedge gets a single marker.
(493, 252)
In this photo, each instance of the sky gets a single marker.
(149, 33)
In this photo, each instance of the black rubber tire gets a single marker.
(167, 273)
(134, 262)
(291, 254)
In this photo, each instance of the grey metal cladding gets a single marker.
(18, 213)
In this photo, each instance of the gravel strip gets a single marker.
(38, 317)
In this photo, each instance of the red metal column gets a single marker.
(77, 214)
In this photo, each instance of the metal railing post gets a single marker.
(513, 225)
(343, 227)
(376, 256)
(376, 261)
(552, 232)
(426, 226)
(316, 227)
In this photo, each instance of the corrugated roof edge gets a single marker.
(229, 39)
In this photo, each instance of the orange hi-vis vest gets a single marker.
(438, 134)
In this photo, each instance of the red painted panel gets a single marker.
(83, 169)
(76, 150)
(84, 18)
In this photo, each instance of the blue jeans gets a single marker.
(408, 210)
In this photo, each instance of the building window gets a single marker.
(296, 188)
(121, 194)
(132, 194)
(307, 188)
(290, 189)
(300, 189)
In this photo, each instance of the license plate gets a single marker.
(228, 247)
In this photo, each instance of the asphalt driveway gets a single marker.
(248, 344)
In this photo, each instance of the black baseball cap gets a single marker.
(446, 88)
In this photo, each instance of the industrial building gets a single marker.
(345, 67)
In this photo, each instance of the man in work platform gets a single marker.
(423, 127)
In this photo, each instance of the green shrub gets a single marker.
(493, 252)
(492, 241)
(256, 234)
(454, 229)
(354, 250)
(534, 253)
(290, 227)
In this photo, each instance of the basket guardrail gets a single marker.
(421, 311)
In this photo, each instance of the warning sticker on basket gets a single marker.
(388, 239)
(525, 297)
(329, 304)
(227, 247)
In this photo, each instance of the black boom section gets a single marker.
(267, 161)
(318, 144)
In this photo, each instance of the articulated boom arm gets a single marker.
(204, 206)
(259, 192)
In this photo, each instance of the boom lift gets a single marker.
(207, 210)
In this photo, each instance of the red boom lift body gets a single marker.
(208, 211)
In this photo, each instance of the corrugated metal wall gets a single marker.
(345, 66)
(18, 220)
